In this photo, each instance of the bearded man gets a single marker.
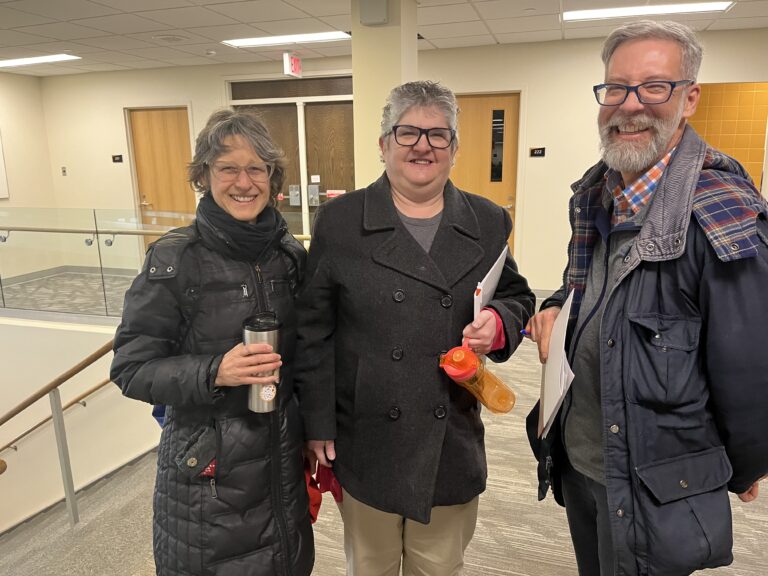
(668, 265)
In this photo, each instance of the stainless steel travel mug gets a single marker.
(262, 327)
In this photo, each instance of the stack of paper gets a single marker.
(487, 286)
(556, 375)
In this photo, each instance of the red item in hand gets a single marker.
(327, 481)
(313, 490)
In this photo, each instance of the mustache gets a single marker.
(642, 120)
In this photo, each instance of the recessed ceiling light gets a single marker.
(661, 9)
(37, 60)
(289, 39)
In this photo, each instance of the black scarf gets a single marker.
(240, 240)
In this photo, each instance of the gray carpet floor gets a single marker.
(515, 536)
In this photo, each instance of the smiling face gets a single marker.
(241, 198)
(635, 136)
(418, 172)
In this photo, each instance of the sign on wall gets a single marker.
(3, 177)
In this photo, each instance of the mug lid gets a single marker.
(262, 322)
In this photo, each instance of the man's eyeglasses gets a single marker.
(655, 92)
(258, 173)
(406, 135)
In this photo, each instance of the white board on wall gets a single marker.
(3, 177)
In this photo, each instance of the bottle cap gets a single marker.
(460, 363)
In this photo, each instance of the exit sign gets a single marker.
(291, 65)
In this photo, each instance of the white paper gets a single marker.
(556, 374)
(486, 288)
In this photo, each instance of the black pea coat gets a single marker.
(375, 313)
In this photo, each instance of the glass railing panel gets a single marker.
(52, 271)
(122, 251)
(57, 218)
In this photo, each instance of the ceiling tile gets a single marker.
(464, 41)
(517, 8)
(189, 60)
(446, 14)
(63, 31)
(172, 37)
(302, 26)
(75, 48)
(13, 52)
(139, 5)
(529, 24)
(142, 64)
(115, 42)
(324, 8)
(109, 56)
(121, 24)
(439, 2)
(520, 37)
(748, 10)
(198, 49)
(62, 9)
(100, 67)
(240, 57)
(188, 17)
(343, 23)
(258, 11)
(16, 38)
(569, 5)
(449, 30)
(157, 52)
(739, 23)
(12, 18)
(220, 33)
(334, 49)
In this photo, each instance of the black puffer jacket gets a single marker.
(182, 313)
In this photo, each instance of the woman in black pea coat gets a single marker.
(230, 495)
(390, 280)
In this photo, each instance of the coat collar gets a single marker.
(455, 250)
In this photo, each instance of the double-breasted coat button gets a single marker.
(192, 462)
(611, 343)
(446, 301)
(620, 513)
(397, 353)
(398, 295)
(614, 428)
(440, 412)
(394, 413)
(683, 483)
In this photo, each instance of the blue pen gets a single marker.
(525, 333)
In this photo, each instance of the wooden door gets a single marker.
(282, 122)
(161, 153)
(330, 149)
(486, 163)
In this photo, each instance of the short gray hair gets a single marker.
(666, 30)
(210, 145)
(424, 94)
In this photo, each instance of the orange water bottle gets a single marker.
(466, 369)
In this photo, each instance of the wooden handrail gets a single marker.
(108, 231)
(69, 404)
(58, 381)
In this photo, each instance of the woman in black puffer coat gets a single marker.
(230, 496)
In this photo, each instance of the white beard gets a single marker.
(636, 157)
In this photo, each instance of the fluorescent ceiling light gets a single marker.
(629, 11)
(37, 60)
(289, 39)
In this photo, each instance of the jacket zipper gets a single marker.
(260, 289)
(277, 488)
(214, 493)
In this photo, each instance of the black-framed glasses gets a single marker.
(407, 135)
(654, 92)
(258, 173)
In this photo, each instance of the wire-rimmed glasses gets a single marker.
(257, 173)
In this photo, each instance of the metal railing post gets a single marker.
(57, 415)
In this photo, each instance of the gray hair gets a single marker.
(424, 94)
(210, 145)
(666, 30)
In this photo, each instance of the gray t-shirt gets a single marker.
(423, 229)
(583, 418)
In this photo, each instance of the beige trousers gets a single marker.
(375, 542)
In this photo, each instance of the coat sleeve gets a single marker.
(146, 365)
(736, 355)
(315, 365)
(513, 301)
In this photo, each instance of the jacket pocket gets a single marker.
(198, 452)
(687, 513)
(663, 360)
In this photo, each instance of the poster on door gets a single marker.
(3, 177)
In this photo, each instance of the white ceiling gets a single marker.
(131, 34)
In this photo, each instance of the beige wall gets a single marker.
(84, 121)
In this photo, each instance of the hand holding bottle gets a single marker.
(467, 369)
